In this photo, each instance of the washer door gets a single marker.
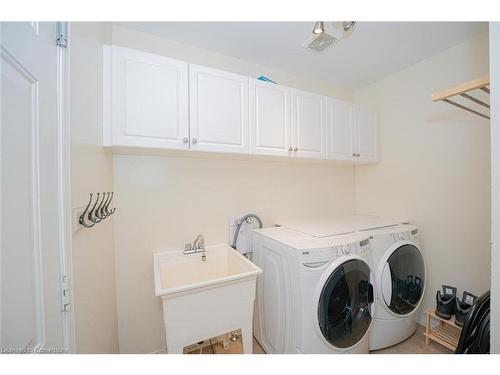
(344, 311)
(402, 279)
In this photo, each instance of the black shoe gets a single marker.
(463, 307)
(445, 303)
(408, 284)
(415, 291)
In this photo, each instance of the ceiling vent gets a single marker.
(318, 43)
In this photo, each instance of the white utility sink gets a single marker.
(204, 299)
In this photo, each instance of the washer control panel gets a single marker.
(364, 247)
(414, 234)
(317, 257)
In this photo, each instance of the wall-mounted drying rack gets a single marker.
(475, 103)
(98, 211)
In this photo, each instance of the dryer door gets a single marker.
(402, 280)
(344, 309)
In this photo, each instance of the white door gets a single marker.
(366, 135)
(218, 107)
(308, 124)
(270, 125)
(340, 130)
(32, 225)
(149, 99)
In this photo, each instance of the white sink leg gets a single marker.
(226, 308)
(246, 335)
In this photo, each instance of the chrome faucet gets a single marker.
(198, 246)
(199, 243)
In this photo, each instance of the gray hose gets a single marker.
(242, 220)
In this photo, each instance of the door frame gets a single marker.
(494, 49)
(64, 187)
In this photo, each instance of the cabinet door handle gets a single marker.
(185, 140)
(358, 154)
(290, 148)
(194, 140)
(354, 154)
(296, 149)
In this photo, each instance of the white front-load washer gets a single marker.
(315, 295)
(397, 264)
(399, 270)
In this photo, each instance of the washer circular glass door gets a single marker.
(344, 314)
(403, 279)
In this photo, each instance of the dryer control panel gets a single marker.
(409, 234)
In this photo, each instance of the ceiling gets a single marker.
(372, 51)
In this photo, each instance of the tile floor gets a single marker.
(413, 345)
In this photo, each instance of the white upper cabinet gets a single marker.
(270, 125)
(340, 130)
(145, 100)
(151, 101)
(352, 132)
(366, 134)
(308, 124)
(218, 110)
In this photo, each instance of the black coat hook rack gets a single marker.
(99, 210)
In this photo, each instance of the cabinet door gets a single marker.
(149, 100)
(218, 110)
(308, 124)
(366, 134)
(270, 128)
(340, 130)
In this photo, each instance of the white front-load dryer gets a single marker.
(399, 273)
(315, 294)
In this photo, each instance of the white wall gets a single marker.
(434, 167)
(495, 176)
(91, 171)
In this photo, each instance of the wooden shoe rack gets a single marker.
(445, 332)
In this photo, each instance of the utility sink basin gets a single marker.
(204, 299)
(176, 272)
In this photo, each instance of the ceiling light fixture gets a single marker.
(319, 28)
(348, 25)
